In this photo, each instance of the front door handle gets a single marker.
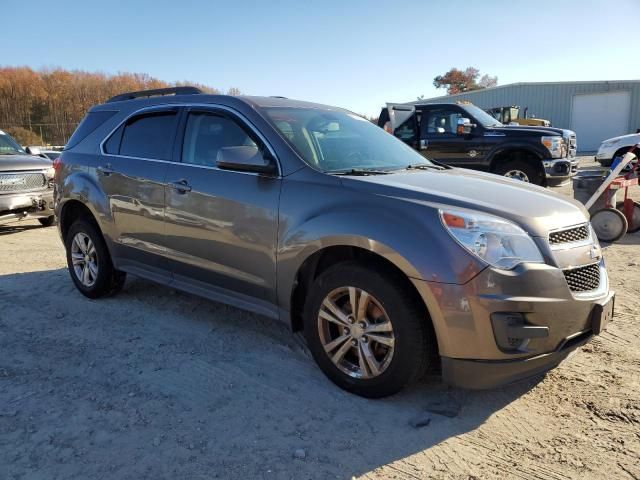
(182, 186)
(106, 170)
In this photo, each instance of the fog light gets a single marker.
(512, 333)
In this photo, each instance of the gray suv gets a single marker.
(390, 263)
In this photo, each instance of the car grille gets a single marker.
(569, 235)
(583, 279)
(18, 182)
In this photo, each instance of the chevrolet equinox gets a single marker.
(390, 263)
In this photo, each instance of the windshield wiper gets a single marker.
(423, 166)
(358, 171)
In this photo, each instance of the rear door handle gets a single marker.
(106, 170)
(182, 186)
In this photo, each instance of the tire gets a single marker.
(609, 224)
(104, 279)
(47, 221)
(634, 226)
(520, 170)
(413, 340)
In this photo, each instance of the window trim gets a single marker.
(180, 132)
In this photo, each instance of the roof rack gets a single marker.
(156, 92)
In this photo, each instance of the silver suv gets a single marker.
(390, 263)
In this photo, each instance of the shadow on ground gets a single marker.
(154, 383)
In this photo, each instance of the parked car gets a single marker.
(49, 154)
(309, 214)
(616, 147)
(26, 184)
(464, 135)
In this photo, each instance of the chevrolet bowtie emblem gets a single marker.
(594, 253)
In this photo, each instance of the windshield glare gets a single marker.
(8, 146)
(482, 117)
(334, 141)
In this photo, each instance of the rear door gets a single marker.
(222, 224)
(132, 172)
(438, 129)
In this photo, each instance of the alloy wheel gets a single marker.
(84, 259)
(517, 175)
(356, 332)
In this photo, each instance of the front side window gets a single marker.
(206, 133)
(440, 122)
(148, 135)
(336, 140)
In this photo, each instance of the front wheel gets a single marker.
(89, 261)
(609, 224)
(519, 170)
(366, 332)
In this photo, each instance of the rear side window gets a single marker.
(88, 124)
(148, 136)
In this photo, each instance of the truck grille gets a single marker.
(569, 235)
(19, 182)
(583, 279)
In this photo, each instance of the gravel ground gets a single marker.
(154, 383)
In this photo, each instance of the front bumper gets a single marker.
(560, 169)
(17, 206)
(539, 293)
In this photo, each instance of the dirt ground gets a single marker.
(154, 383)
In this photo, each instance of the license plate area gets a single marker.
(601, 315)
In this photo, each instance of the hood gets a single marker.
(12, 163)
(630, 139)
(521, 131)
(535, 209)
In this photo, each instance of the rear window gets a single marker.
(88, 124)
(149, 136)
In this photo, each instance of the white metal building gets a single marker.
(594, 110)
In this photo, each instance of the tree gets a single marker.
(52, 101)
(24, 136)
(459, 81)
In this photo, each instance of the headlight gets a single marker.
(494, 240)
(554, 145)
(50, 172)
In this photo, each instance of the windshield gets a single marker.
(335, 141)
(482, 117)
(8, 145)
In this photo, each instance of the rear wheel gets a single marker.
(609, 224)
(366, 332)
(47, 221)
(520, 170)
(89, 261)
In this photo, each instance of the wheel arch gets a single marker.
(328, 256)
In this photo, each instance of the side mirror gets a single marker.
(246, 159)
(464, 126)
(33, 151)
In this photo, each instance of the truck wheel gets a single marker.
(366, 332)
(634, 226)
(519, 170)
(47, 221)
(609, 224)
(89, 261)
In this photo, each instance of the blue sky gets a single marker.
(356, 54)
